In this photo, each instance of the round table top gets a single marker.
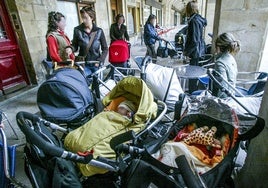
(190, 71)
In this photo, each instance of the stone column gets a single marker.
(247, 20)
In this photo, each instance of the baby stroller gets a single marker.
(44, 152)
(65, 98)
(163, 155)
(162, 81)
(119, 55)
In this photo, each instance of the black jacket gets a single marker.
(118, 34)
(81, 39)
(195, 44)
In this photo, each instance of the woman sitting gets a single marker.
(226, 47)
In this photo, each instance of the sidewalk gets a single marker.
(26, 101)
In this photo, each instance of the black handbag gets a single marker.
(162, 50)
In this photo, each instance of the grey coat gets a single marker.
(226, 65)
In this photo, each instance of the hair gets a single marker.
(118, 16)
(90, 11)
(191, 8)
(53, 19)
(151, 17)
(227, 43)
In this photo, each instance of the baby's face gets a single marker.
(122, 111)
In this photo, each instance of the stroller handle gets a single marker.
(42, 144)
(144, 63)
(191, 180)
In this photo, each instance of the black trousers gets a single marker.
(193, 82)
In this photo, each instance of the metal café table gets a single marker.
(186, 72)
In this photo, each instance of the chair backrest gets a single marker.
(259, 86)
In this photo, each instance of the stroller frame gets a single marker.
(8, 172)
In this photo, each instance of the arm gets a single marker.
(52, 46)
(151, 32)
(220, 67)
(190, 45)
(104, 47)
(112, 32)
(75, 40)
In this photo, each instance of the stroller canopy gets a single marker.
(136, 90)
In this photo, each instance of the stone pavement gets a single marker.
(26, 101)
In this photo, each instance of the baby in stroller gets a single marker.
(126, 109)
(95, 135)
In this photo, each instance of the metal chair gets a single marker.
(253, 84)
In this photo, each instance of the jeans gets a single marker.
(90, 69)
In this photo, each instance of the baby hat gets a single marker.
(128, 105)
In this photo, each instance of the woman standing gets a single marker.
(226, 47)
(90, 41)
(194, 45)
(58, 44)
(151, 36)
(118, 30)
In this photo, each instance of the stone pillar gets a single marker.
(247, 20)
(254, 172)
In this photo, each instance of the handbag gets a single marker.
(80, 58)
(162, 50)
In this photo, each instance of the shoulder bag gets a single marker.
(82, 58)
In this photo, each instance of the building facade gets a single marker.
(23, 26)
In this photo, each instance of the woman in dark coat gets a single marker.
(118, 30)
(195, 45)
(81, 38)
(151, 36)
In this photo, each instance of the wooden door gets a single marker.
(13, 74)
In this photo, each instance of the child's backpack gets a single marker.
(65, 98)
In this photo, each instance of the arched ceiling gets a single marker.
(178, 4)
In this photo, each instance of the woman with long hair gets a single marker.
(58, 44)
(118, 30)
(195, 44)
(151, 36)
(89, 40)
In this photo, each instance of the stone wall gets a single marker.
(247, 20)
(33, 18)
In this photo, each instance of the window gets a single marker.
(3, 34)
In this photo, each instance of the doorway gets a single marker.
(13, 74)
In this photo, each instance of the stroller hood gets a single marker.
(136, 90)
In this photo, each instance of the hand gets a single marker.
(68, 51)
(2, 125)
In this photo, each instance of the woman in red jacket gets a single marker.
(58, 44)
